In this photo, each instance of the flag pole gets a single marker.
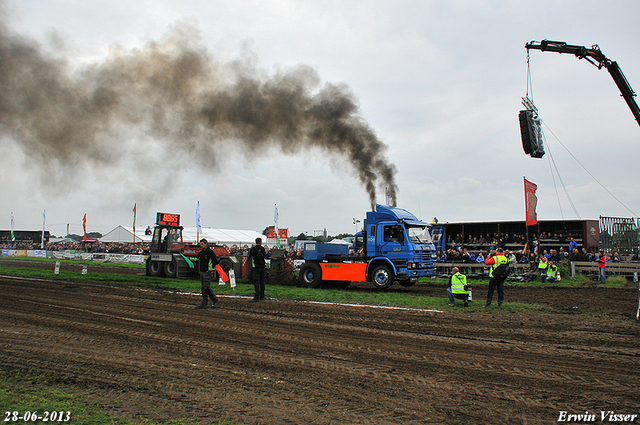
(44, 219)
(276, 219)
(198, 226)
(134, 221)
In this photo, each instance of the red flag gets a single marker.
(84, 225)
(221, 273)
(530, 202)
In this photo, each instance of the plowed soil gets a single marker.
(148, 354)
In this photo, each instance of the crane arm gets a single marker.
(595, 56)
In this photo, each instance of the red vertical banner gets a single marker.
(530, 202)
(84, 225)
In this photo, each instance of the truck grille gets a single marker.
(423, 256)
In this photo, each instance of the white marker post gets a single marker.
(638, 311)
(232, 279)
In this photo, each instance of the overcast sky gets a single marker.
(438, 82)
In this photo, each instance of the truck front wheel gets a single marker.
(310, 275)
(406, 282)
(382, 277)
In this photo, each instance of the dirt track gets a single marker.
(149, 354)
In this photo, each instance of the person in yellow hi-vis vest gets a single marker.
(552, 272)
(458, 288)
(496, 259)
(543, 263)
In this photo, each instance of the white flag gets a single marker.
(276, 218)
(198, 218)
(13, 236)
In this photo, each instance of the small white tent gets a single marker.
(339, 242)
(123, 234)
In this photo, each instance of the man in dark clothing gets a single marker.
(257, 255)
(207, 260)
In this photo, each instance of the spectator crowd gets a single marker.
(125, 248)
(476, 248)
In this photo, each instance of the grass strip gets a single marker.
(405, 299)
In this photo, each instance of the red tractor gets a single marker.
(171, 257)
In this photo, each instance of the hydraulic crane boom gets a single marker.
(595, 56)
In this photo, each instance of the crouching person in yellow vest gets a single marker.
(552, 272)
(458, 288)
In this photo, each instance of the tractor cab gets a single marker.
(166, 238)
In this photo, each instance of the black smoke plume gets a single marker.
(177, 94)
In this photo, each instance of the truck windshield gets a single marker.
(419, 234)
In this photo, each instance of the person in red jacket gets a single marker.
(602, 265)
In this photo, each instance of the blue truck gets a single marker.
(393, 245)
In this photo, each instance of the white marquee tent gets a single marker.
(228, 237)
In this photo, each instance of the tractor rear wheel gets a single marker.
(155, 268)
(171, 269)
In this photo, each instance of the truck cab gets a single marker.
(399, 243)
(394, 245)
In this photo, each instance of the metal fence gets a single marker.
(631, 269)
(619, 234)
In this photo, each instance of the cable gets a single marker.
(555, 187)
(588, 172)
(564, 188)
(529, 80)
